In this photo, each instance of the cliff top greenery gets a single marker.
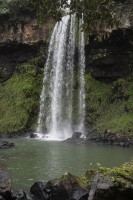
(98, 15)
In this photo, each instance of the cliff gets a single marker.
(21, 43)
(109, 79)
(23, 52)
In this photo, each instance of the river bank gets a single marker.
(107, 138)
(33, 159)
(103, 184)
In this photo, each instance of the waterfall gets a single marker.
(81, 79)
(56, 99)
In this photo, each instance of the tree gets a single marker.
(98, 14)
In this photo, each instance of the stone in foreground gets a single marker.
(66, 188)
(5, 185)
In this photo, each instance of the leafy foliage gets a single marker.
(97, 15)
(47, 8)
(4, 9)
(15, 12)
(19, 99)
(121, 176)
(110, 106)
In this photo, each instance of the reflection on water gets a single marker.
(33, 160)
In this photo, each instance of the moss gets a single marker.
(110, 106)
(122, 176)
(19, 99)
(79, 180)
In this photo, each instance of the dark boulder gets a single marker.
(33, 135)
(20, 195)
(103, 188)
(76, 138)
(74, 187)
(1, 198)
(76, 135)
(5, 185)
(109, 138)
(6, 145)
(46, 191)
(66, 188)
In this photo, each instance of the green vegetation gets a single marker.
(4, 9)
(15, 7)
(98, 15)
(14, 12)
(121, 176)
(19, 99)
(110, 106)
(79, 180)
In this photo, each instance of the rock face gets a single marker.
(21, 44)
(31, 33)
(111, 58)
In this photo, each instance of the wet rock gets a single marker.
(5, 185)
(93, 188)
(46, 191)
(33, 135)
(102, 188)
(76, 138)
(109, 138)
(80, 194)
(20, 195)
(76, 135)
(6, 145)
(65, 188)
(37, 189)
(1, 198)
(74, 187)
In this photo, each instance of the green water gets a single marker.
(33, 160)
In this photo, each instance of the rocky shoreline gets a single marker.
(103, 184)
(107, 138)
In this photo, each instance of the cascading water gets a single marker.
(56, 100)
(81, 79)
